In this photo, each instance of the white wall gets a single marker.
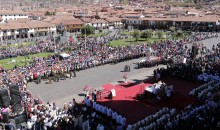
(31, 30)
(53, 28)
(16, 32)
(8, 32)
(12, 17)
(1, 33)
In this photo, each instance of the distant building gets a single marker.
(12, 15)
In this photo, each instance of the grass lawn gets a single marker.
(20, 60)
(24, 44)
(154, 37)
(96, 34)
(125, 33)
(125, 42)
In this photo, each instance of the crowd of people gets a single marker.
(83, 56)
(202, 114)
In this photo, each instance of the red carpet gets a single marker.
(125, 104)
(123, 93)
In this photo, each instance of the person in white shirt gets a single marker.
(97, 107)
(104, 110)
(168, 93)
(93, 105)
(98, 127)
(129, 127)
(100, 108)
(123, 121)
(29, 124)
(118, 118)
(109, 112)
(88, 103)
(114, 115)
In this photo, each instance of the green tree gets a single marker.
(47, 13)
(172, 28)
(159, 34)
(149, 33)
(88, 30)
(180, 33)
(173, 31)
(146, 34)
(136, 34)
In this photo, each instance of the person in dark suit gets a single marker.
(74, 73)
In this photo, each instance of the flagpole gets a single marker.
(85, 23)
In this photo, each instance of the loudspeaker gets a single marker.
(14, 90)
(5, 117)
(4, 98)
(19, 119)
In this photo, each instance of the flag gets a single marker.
(71, 39)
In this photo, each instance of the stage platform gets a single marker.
(125, 102)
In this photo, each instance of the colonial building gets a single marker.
(69, 24)
(99, 23)
(192, 23)
(12, 15)
(28, 29)
(114, 22)
(73, 25)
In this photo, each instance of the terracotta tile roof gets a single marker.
(36, 24)
(63, 14)
(157, 19)
(103, 13)
(19, 20)
(58, 19)
(8, 26)
(38, 13)
(48, 19)
(98, 21)
(87, 20)
(186, 19)
(199, 19)
(150, 12)
(113, 19)
(73, 22)
(127, 15)
(11, 12)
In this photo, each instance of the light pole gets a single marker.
(130, 33)
(25, 58)
(130, 37)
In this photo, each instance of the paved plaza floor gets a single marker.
(65, 90)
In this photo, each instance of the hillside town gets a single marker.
(34, 20)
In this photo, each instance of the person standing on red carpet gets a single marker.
(125, 77)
